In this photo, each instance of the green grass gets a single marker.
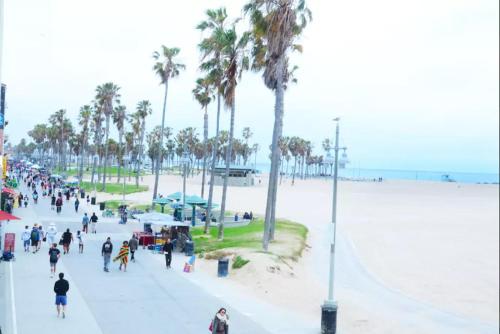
(114, 188)
(239, 262)
(111, 171)
(114, 204)
(249, 237)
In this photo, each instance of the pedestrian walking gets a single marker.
(54, 255)
(220, 324)
(88, 199)
(93, 222)
(26, 237)
(52, 202)
(107, 249)
(77, 204)
(35, 236)
(167, 250)
(20, 200)
(26, 201)
(80, 241)
(61, 288)
(85, 223)
(123, 256)
(133, 244)
(67, 238)
(51, 233)
(41, 238)
(59, 203)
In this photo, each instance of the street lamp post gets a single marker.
(330, 307)
(184, 162)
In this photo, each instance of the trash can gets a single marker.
(223, 267)
(82, 194)
(92, 200)
(189, 248)
(102, 206)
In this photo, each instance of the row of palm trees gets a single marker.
(274, 29)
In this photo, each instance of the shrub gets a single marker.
(239, 262)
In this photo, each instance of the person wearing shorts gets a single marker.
(54, 255)
(61, 288)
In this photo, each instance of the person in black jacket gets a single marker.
(167, 249)
(61, 287)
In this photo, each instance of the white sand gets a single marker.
(435, 242)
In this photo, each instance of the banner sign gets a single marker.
(2, 106)
(10, 242)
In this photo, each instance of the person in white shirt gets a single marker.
(26, 237)
(51, 234)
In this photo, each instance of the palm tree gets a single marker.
(166, 68)
(84, 120)
(107, 94)
(276, 26)
(204, 95)
(97, 127)
(211, 48)
(143, 110)
(39, 135)
(234, 61)
(119, 118)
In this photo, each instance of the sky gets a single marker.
(416, 83)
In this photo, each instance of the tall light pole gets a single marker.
(330, 307)
(184, 162)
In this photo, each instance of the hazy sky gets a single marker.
(416, 82)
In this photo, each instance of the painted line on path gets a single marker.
(13, 300)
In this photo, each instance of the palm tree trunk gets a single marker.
(212, 170)
(205, 145)
(160, 149)
(226, 174)
(106, 143)
(269, 222)
(121, 153)
(141, 152)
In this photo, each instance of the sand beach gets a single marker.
(428, 245)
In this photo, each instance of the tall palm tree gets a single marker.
(119, 118)
(204, 95)
(84, 118)
(143, 110)
(211, 48)
(276, 27)
(97, 127)
(166, 68)
(234, 61)
(107, 94)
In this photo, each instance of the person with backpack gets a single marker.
(107, 249)
(220, 324)
(85, 223)
(54, 255)
(26, 238)
(35, 237)
(67, 238)
(61, 288)
(93, 222)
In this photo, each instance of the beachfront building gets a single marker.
(238, 176)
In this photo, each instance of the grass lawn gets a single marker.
(114, 204)
(249, 237)
(114, 188)
(111, 171)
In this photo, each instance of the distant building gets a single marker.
(238, 176)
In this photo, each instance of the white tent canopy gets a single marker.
(162, 219)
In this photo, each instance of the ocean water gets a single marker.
(388, 174)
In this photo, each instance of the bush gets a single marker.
(239, 262)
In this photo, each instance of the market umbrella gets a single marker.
(162, 201)
(7, 216)
(36, 166)
(195, 200)
(56, 176)
(9, 191)
(175, 196)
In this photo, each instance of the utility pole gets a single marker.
(330, 307)
(2, 121)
